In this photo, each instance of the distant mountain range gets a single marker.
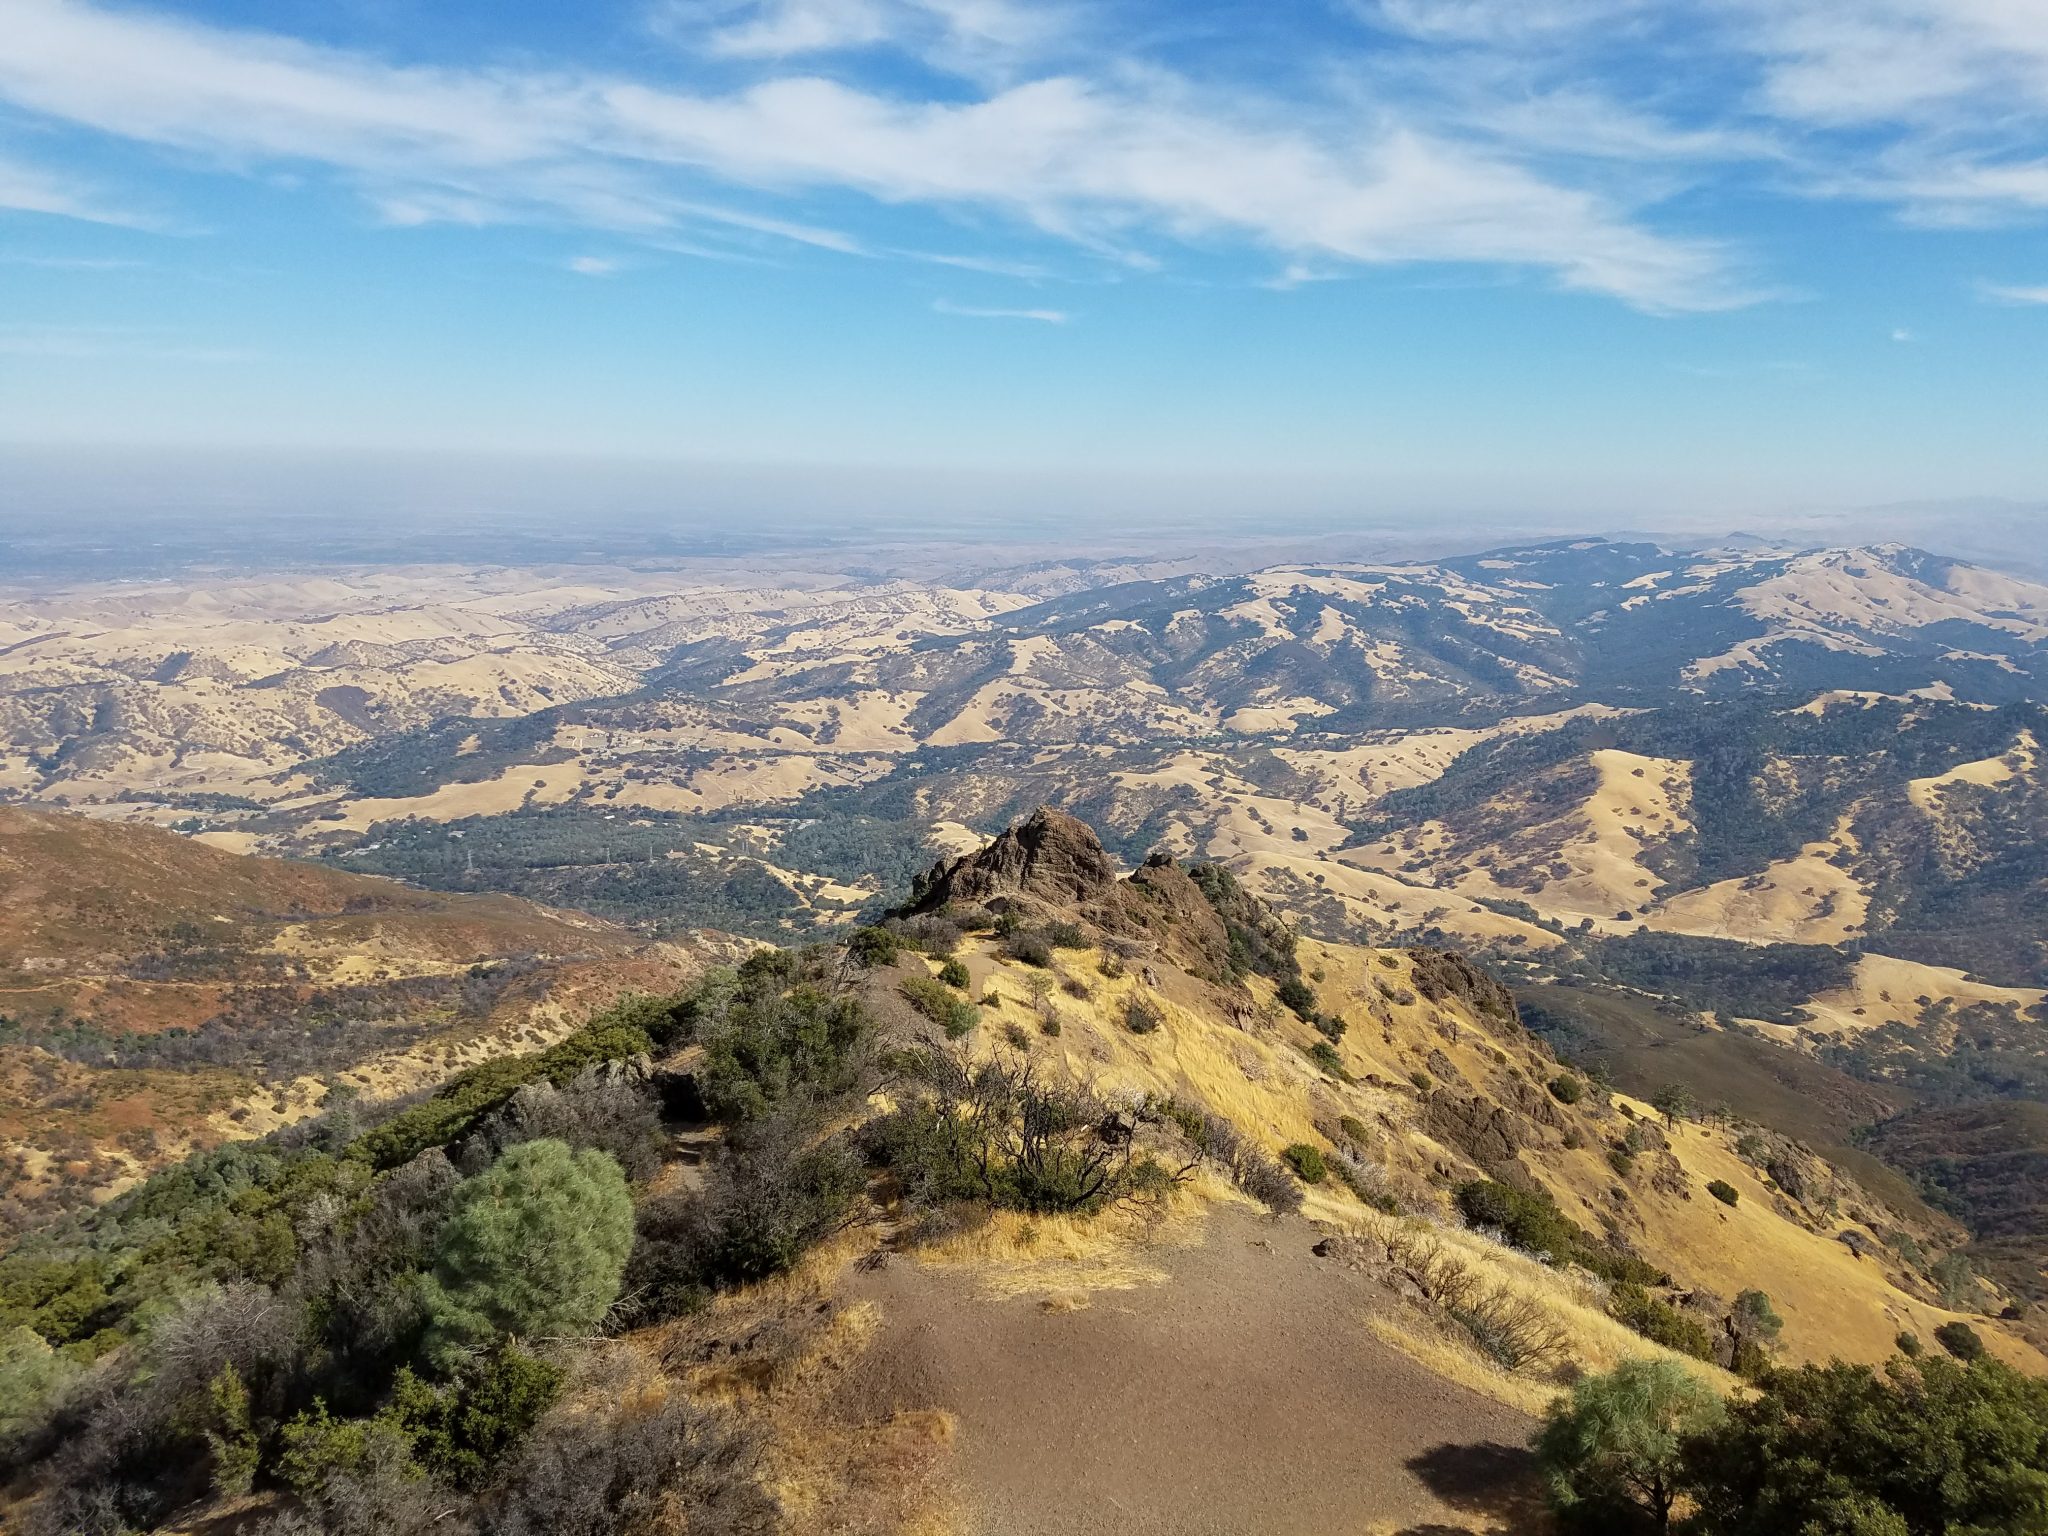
(1792, 797)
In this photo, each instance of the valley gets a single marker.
(1625, 931)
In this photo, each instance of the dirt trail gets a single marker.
(1242, 1396)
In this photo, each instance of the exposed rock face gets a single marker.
(1172, 903)
(1482, 1131)
(1051, 865)
(1048, 857)
(1442, 973)
(1786, 1173)
(1535, 1104)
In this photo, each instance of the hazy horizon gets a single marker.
(1644, 265)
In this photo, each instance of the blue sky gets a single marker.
(1667, 254)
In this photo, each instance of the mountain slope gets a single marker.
(158, 995)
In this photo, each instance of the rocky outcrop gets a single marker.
(1049, 858)
(1444, 973)
(1483, 1131)
(1052, 867)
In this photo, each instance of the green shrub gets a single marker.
(461, 1432)
(994, 1131)
(1299, 996)
(1621, 1160)
(1960, 1340)
(1751, 1147)
(30, 1375)
(954, 974)
(764, 1045)
(1909, 1344)
(1355, 1128)
(936, 1001)
(1933, 1446)
(1530, 1220)
(1017, 1035)
(1141, 1017)
(1066, 936)
(533, 1248)
(1613, 1452)
(1566, 1089)
(462, 1101)
(1723, 1191)
(1307, 1162)
(231, 1436)
(1324, 1055)
(1027, 948)
(1329, 1026)
(1421, 1080)
(873, 947)
(1659, 1321)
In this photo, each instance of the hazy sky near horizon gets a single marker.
(1672, 253)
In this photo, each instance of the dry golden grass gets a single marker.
(1063, 1260)
(1574, 1304)
(829, 1472)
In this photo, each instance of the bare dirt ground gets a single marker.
(1241, 1395)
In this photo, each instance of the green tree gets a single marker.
(1675, 1102)
(1753, 1329)
(30, 1374)
(1957, 1281)
(534, 1247)
(1613, 1451)
(232, 1435)
(1923, 1448)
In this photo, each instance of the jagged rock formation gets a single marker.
(1051, 866)
(1048, 858)
(1444, 973)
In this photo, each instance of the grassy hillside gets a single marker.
(158, 995)
(1054, 1130)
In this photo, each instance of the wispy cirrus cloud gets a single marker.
(92, 342)
(26, 188)
(1937, 107)
(1115, 160)
(964, 35)
(981, 312)
(2015, 293)
(69, 263)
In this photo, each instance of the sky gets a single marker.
(1625, 255)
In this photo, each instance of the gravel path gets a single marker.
(1242, 1396)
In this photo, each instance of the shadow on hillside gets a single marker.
(1496, 1482)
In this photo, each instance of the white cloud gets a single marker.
(1114, 163)
(1101, 164)
(70, 263)
(965, 35)
(594, 266)
(976, 312)
(26, 189)
(1494, 21)
(80, 342)
(1878, 61)
(1904, 336)
(2008, 293)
